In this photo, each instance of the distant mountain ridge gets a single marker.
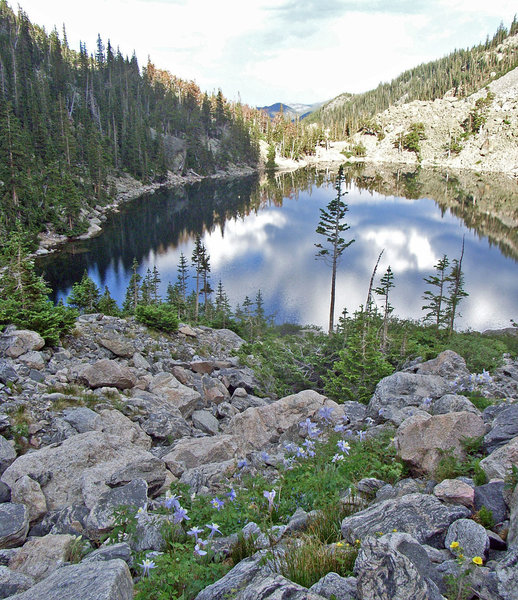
(291, 110)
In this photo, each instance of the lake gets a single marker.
(260, 234)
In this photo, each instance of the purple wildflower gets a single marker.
(180, 515)
(217, 503)
(146, 565)
(325, 414)
(198, 551)
(343, 446)
(214, 528)
(195, 531)
(270, 497)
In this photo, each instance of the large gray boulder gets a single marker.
(503, 429)
(12, 582)
(40, 557)
(402, 390)
(172, 392)
(15, 343)
(471, 536)
(452, 403)
(498, 465)
(447, 364)
(500, 583)
(109, 580)
(491, 495)
(512, 536)
(195, 452)
(258, 427)
(75, 471)
(385, 573)
(238, 578)
(28, 491)
(422, 440)
(166, 424)
(251, 580)
(108, 373)
(102, 515)
(423, 516)
(14, 524)
(7, 454)
(332, 584)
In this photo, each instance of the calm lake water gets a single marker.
(261, 235)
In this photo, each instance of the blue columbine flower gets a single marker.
(146, 565)
(214, 528)
(242, 464)
(270, 497)
(217, 503)
(343, 446)
(325, 414)
(171, 501)
(232, 494)
(198, 551)
(195, 531)
(337, 458)
(180, 515)
(361, 435)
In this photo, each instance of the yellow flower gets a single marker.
(454, 545)
(394, 530)
(477, 560)
(339, 544)
(461, 556)
(357, 542)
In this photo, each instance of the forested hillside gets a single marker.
(460, 73)
(69, 119)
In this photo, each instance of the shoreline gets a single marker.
(129, 188)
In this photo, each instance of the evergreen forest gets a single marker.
(71, 120)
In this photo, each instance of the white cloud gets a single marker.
(304, 51)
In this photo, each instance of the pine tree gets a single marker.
(133, 296)
(386, 284)
(107, 304)
(85, 295)
(223, 310)
(360, 366)
(436, 306)
(331, 226)
(24, 296)
(456, 291)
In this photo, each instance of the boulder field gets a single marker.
(117, 413)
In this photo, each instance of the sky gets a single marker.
(266, 51)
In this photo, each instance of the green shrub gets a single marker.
(306, 560)
(484, 516)
(158, 316)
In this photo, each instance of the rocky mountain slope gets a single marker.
(493, 148)
(117, 413)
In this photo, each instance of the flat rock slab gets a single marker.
(422, 516)
(110, 580)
